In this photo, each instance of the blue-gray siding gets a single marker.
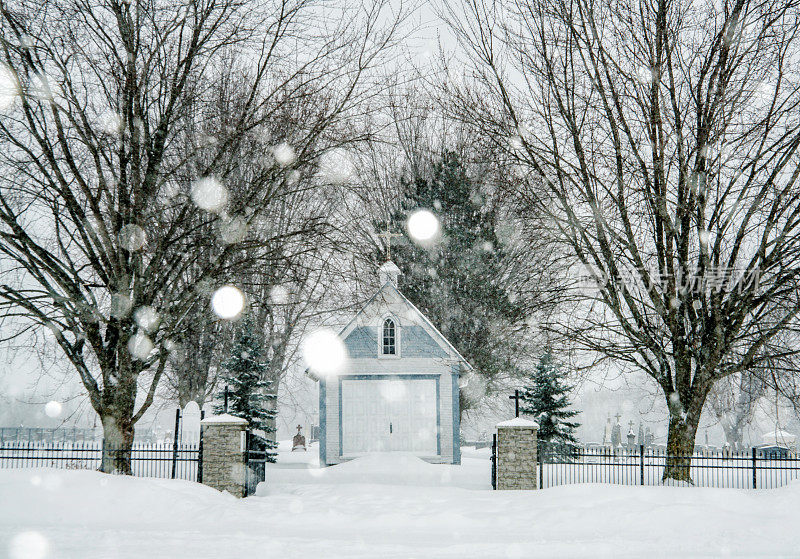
(362, 342)
(414, 342)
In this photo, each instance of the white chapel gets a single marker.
(399, 391)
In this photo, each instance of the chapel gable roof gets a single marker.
(398, 305)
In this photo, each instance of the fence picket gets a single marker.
(729, 469)
(147, 459)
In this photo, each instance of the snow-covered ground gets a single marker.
(384, 507)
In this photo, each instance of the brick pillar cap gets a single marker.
(224, 419)
(519, 422)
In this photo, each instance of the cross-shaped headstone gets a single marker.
(631, 424)
(388, 236)
(516, 397)
(618, 416)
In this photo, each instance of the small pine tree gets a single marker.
(547, 399)
(249, 394)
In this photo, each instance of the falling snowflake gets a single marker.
(336, 167)
(423, 226)
(44, 88)
(279, 295)
(324, 352)
(132, 237)
(644, 74)
(140, 346)
(227, 302)
(28, 545)
(9, 87)
(52, 408)
(110, 123)
(284, 154)
(146, 318)
(120, 305)
(233, 230)
(209, 194)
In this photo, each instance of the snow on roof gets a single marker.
(224, 419)
(519, 422)
(390, 267)
(779, 436)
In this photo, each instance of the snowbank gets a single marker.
(370, 508)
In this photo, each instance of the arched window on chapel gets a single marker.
(389, 337)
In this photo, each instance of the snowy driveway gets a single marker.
(384, 508)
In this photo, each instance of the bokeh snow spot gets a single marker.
(284, 154)
(52, 408)
(140, 346)
(209, 194)
(28, 545)
(9, 87)
(233, 230)
(132, 237)
(227, 302)
(120, 305)
(279, 295)
(336, 167)
(324, 352)
(146, 318)
(423, 226)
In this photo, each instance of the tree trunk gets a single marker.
(680, 447)
(117, 443)
(733, 435)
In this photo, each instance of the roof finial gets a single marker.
(388, 272)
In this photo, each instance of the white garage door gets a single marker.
(389, 415)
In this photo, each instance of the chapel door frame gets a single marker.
(396, 376)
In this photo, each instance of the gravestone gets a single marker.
(516, 454)
(190, 424)
(631, 436)
(299, 441)
(616, 433)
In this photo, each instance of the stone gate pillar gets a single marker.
(224, 453)
(516, 454)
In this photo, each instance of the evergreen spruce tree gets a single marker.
(458, 283)
(249, 394)
(546, 398)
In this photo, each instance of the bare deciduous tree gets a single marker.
(733, 402)
(661, 140)
(105, 147)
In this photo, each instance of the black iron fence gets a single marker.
(170, 460)
(753, 468)
(255, 463)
